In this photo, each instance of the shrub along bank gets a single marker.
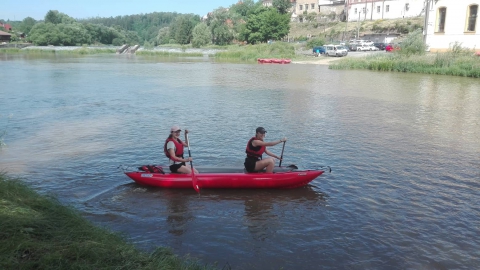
(37, 232)
(411, 57)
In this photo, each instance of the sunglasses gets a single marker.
(178, 131)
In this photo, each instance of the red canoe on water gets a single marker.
(282, 178)
(273, 61)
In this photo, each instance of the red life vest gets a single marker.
(178, 148)
(254, 152)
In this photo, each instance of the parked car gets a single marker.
(335, 50)
(362, 48)
(318, 50)
(392, 47)
(380, 46)
(373, 48)
(352, 47)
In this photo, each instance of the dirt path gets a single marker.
(321, 60)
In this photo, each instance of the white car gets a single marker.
(363, 48)
(335, 50)
(373, 48)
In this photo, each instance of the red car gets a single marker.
(391, 48)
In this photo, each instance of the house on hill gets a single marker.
(449, 21)
(364, 10)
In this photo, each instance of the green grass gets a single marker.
(167, 54)
(464, 65)
(253, 52)
(37, 232)
(79, 51)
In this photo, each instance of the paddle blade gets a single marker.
(194, 182)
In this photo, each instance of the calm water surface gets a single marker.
(404, 149)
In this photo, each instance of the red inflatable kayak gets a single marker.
(282, 178)
(273, 60)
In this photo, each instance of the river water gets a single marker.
(404, 149)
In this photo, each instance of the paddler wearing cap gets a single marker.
(173, 149)
(256, 146)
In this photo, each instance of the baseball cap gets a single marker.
(175, 128)
(261, 130)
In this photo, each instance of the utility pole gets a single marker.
(427, 17)
(346, 20)
(358, 25)
(365, 11)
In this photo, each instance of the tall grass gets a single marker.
(253, 52)
(411, 57)
(167, 54)
(37, 232)
(440, 63)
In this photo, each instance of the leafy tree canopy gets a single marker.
(282, 6)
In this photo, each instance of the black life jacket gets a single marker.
(254, 152)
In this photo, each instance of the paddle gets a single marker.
(194, 178)
(281, 156)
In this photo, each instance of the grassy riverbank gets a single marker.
(253, 52)
(439, 63)
(48, 51)
(37, 232)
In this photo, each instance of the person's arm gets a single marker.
(271, 154)
(256, 143)
(174, 157)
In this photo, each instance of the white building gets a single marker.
(383, 9)
(452, 21)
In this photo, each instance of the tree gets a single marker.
(222, 34)
(282, 6)
(217, 22)
(201, 35)
(243, 8)
(266, 24)
(27, 25)
(183, 30)
(163, 36)
(44, 34)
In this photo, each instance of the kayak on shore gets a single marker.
(208, 177)
(273, 61)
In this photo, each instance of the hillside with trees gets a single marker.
(245, 21)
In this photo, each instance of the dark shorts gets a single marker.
(174, 168)
(250, 164)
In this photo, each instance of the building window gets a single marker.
(313, 6)
(300, 7)
(441, 16)
(378, 9)
(472, 18)
(355, 11)
(363, 10)
(387, 8)
(306, 6)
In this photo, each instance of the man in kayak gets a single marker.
(255, 148)
(173, 149)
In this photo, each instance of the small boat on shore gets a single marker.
(273, 61)
(281, 178)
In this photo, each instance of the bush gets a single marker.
(413, 44)
(314, 42)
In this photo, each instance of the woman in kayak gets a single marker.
(255, 148)
(173, 149)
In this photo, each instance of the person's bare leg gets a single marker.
(267, 163)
